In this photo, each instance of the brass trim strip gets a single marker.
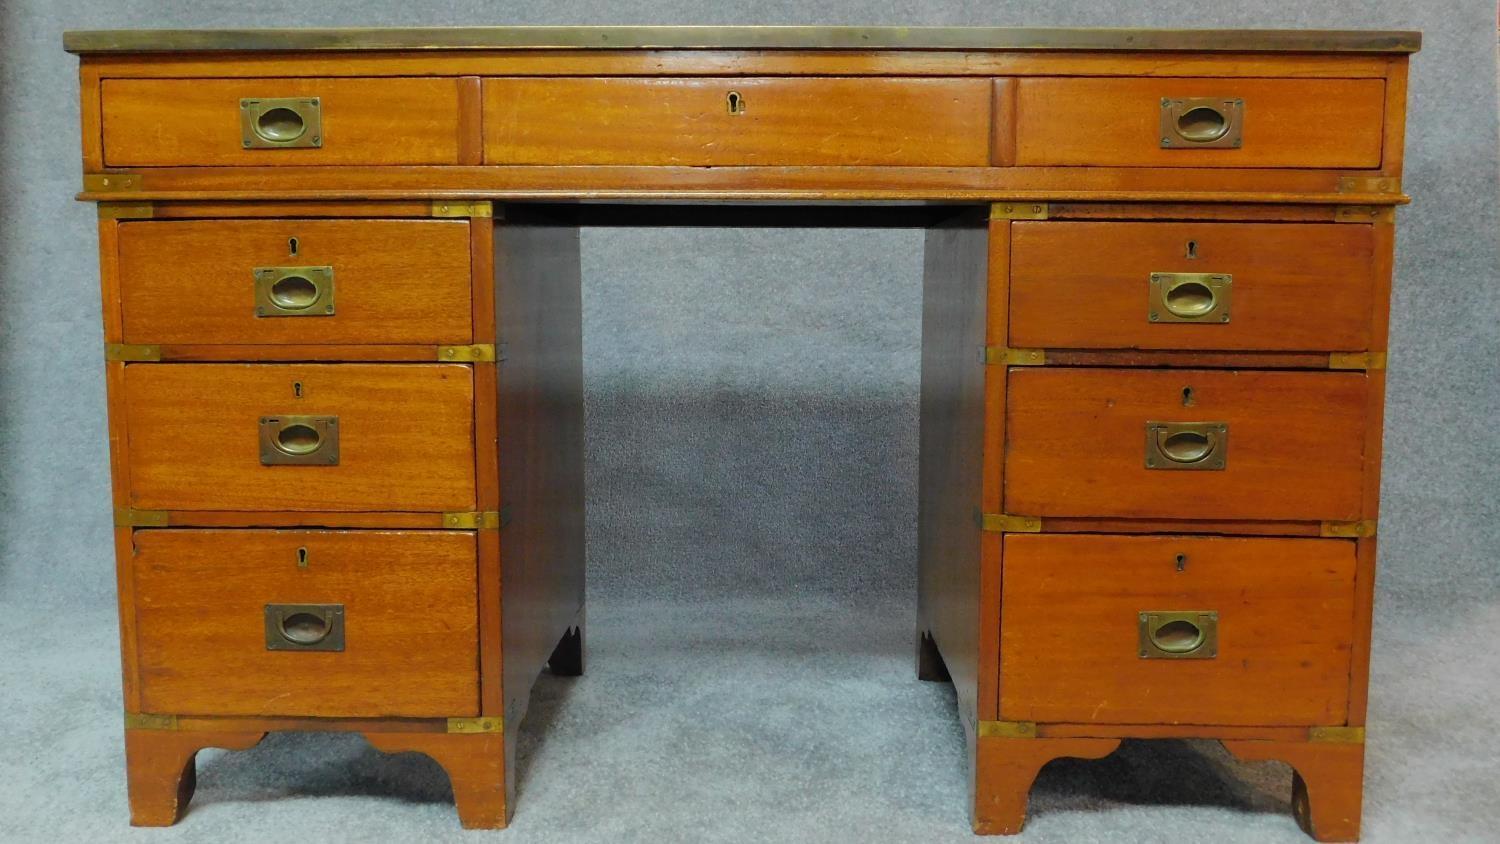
(128, 517)
(1007, 729)
(1337, 735)
(476, 353)
(1004, 523)
(487, 520)
(1001, 356)
(485, 724)
(112, 182)
(1356, 360)
(126, 210)
(1018, 211)
(148, 721)
(1364, 214)
(131, 352)
(1348, 530)
(447, 208)
(743, 38)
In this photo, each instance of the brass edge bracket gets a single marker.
(1348, 530)
(1003, 523)
(487, 520)
(129, 352)
(476, 353)
(126, 210)
(1337, 735)
(1369, 184)
(1007, 729)
(486, 724)
(446, 208)
(1001, 356)
(1356, 360)
(1018, 211)
(1364, 214)
(147, 721)
(111, 182)
(127, 517)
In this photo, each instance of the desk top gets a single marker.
(739, 38)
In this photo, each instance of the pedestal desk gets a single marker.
(343, 352)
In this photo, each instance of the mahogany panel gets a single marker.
(728, 121)
(1069, 629)
(1116, 122)
(196, 122)
(1076, 444)
(406, 436)
(410, 646)
(1295, 286)
(394, 281)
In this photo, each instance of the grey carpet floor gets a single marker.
(744, 721)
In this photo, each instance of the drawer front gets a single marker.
(1333, 123)
(1077, 444)
(360, 623)
(1289, 286)
(700, 122)
(403, 435)
(206, 122)
(1274, 648)
(296, 281)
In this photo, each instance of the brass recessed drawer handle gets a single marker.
(1189, 297)
(304, 627)
(1178, 634)
(299, 440)
(293, 291)
(281, 123)
(1187, 445)
(1202, 122)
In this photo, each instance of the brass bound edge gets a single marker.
(1018, 211)
(448, 208)
(1001, 356)
(1348, 530)
(1003, 523)
(1356, 360)
(148, 721)
(475, 353)
(131, 352)
(485, 724)
(1007, 729)
(127, 517)
(488, 520)
(1337, 735)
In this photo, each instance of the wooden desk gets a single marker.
(343, 356)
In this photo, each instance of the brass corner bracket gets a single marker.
(1018, 211)
(148, 721)
(1002, 356)
(487, 520)
(1348, 530)
(131, 352)
(129, 517)
(126, 210)
(1337, 735)
(1356, 360)
(111, 182)
(448, 208)
(1364, 214)
(484, 724)
(1004, 523)
(1369, 184)
(475, 353)
(1007, 729)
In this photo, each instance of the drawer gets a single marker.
(1276, 286)
(701, 122)
(208, 122)
(1236, 631)
(304, 622)
(402, 436)
(1184, 122)
(1078, 442)
(272, 282)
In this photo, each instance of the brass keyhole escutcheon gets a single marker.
(298, 439)
(1190, 299)
(1187, 446)
(305, 628)
(295, 293)
(736, 102)
(1202, 124)
(280, 125)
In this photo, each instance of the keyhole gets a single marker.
(1192, 249)
(302, 558)
(1181, 562)
(292, 245)
(736, 103)
(297, 389)
(1187, 397)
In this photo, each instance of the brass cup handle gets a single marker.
(293, 291)
(1189, 297)
(1198, 122)
(304, 627)
(1178, 634)
(1187, 445)
(299, 440)
(281, 122)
